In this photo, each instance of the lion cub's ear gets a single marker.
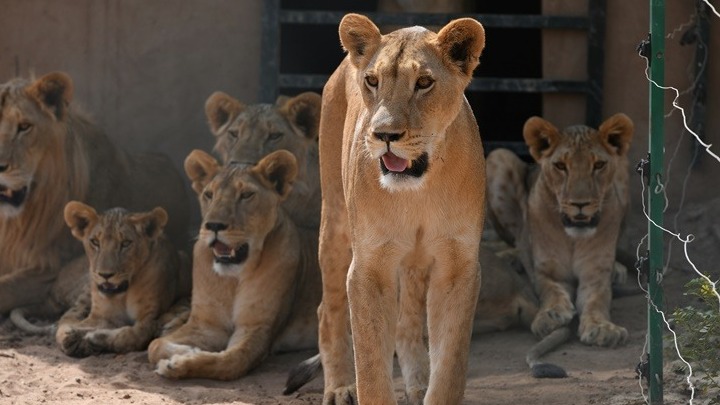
(303, 111)
(200, 168)
(220, 109)
(54, 91)
(279, 169)
(540, 136)
(616, 133)
(80, 218)
(360, 38)
(150, 223)
(461, 43)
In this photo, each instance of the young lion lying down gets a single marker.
(135, 276)
(255, 274)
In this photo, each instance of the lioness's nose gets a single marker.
(388, 136)
(215, 226)
(106, 276)
(580, 205)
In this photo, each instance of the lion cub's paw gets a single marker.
(604, 333)
(415, 396)
(549, 319)
(75, 344)
(170, 368)
(346, 395)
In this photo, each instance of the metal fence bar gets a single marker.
(656, 58)
(488, 20)
(269, 52)
(595, 55)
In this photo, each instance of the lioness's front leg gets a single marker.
(556, 308)
(593, 303)
(372, 293)
(71, 335)
(410, 334)
(451, 299)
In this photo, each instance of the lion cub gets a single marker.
(255, 273)
(135, 276)
(403, 190)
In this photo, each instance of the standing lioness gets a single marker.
(403, 183)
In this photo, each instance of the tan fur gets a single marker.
(56, 154)
(566, 219)
(410, 243)
(246, 133)
(135, 275)
(243, 309)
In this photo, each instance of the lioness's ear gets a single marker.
(461, 42)
(54, 91)
(303, 111)
(359, 37)
(220, 109)
(80, 218)
(540, 136)
(616, 133)
(279, 168)
(200, 168)
(150, 223)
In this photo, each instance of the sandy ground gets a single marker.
(34, 371)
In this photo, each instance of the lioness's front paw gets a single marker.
(346, 395)
(170, 368)
(604, 333)
(549, 319)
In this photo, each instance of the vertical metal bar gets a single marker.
(702, 40)
(595, 55)
(656, 200)
(269, 52)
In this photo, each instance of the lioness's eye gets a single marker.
(95, 243)
(599, 165)
(246, 194)
(424, 82)
(275, 135)
(371, 81)
(24, 126)
(560, 166)
(208, 195)
(125, 243)
(233, 133)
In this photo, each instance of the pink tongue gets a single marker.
(221, 249)
(394, 163)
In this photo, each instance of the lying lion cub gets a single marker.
(135, 275)
(254, 273)
(403, 191)
(565, 219)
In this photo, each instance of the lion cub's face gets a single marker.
(412, 82)
(240, 206)
(579, 166)
(245, 134)
(31, 133)
(117, 243)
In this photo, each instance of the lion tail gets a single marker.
(302, 374)
(18, 316)
(550, 342)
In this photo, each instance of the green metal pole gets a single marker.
(656, 200)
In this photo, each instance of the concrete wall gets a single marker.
(143, 69)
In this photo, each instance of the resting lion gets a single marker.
(403, 180)
(255, 273)
(50, 154)
(135, 275)
(246, 133)
(565, 219)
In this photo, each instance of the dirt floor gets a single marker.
(34, 371)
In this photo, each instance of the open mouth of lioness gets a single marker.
(109, 288)
(395, 165)
(224, 254)
(580, 221)
(13, 197)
